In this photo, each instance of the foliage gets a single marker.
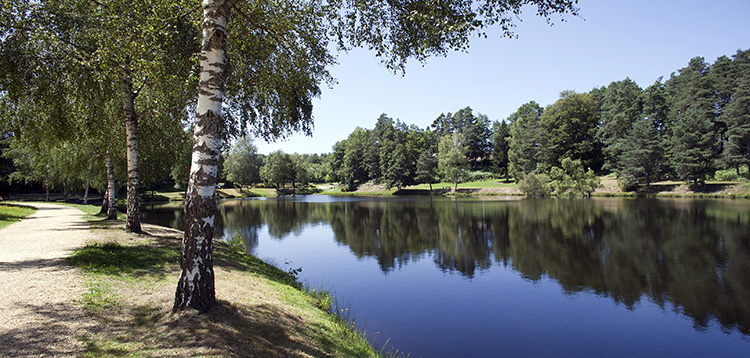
(628, 182)
(500, 148)
(736, 113)
(732, 174)
(692, 147)
(452, 163)
(570, 126)
(427, 168)
(242, 164)
(526, 143)
(641, 153)
(278, 170)
(474, 130)
(621, 106)
(534, 185)
(572, 179)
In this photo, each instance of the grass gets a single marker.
(246, 192)
(262, 311)
(10, 213)
(609, 188)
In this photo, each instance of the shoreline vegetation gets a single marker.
(498, 187)
(609, 187)
(262, 311)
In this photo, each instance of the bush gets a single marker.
(534, 185)
(480, 175)
(628, 182)
(731, 174)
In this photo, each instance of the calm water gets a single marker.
(517, 278)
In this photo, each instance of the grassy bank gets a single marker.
(10, 213)
(261, 311)
(609, 188)
(498, 187)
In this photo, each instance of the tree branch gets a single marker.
(262, 28)
(138, 91)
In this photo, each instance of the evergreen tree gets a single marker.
(526, 143)
(500, 147)
(621, 106)
(736, 114)
(475, 131)
(692, 104)
(356, 146)
(692, 146)
(641, 153)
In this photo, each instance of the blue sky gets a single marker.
(609, 41)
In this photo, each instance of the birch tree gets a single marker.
(100, 53)
(282, 54)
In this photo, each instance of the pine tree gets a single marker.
(526, 143)
(621, 106)
(500, 146)
(641, 153)
(692, 146)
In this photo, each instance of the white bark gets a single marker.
(195, 288)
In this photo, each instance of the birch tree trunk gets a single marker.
(133, 221)
(111, 209)
(86, 193)
(105, 202)
(195, 288)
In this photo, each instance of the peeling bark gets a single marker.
(133, 221)
(195, 288)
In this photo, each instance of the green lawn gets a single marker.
(10, 213)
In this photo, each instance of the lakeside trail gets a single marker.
(40, 314)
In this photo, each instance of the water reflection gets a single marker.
(692, 256)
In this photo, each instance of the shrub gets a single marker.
(731, 174)
(480, 175)
(534, 185)
(628, 182)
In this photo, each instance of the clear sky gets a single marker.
(609, 41)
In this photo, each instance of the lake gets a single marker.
(515, 277)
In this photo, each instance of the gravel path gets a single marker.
(40, 315)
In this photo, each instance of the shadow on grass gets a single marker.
(114, 259)
(225, 331)
(48, 335)
(10, 213)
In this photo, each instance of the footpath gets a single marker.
(40, 315)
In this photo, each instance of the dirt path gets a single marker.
(40, 315)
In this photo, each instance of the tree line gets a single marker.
(685, 128)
